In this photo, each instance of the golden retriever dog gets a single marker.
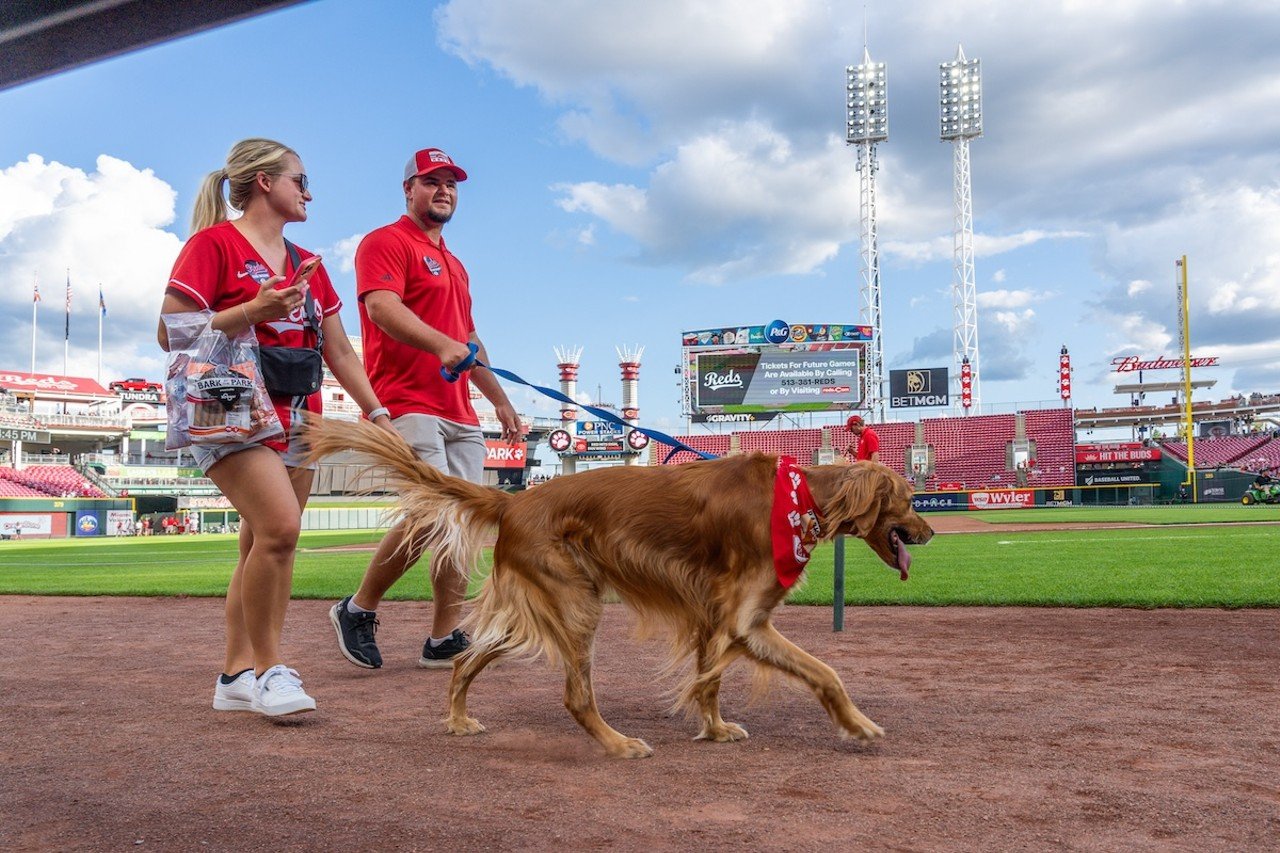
(687, 547)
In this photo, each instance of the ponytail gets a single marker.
(210, 207)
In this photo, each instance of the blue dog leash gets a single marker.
(472, 360)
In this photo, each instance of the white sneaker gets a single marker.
(236, 696)
(278, 691)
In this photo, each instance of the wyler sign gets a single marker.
(918, 386)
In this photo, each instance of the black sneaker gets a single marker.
(438, 657)
(355, 635)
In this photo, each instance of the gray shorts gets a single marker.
(206, 455)
(450, 447)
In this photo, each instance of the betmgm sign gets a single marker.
(918, 387)
(776, 367)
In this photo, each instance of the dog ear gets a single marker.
(856, 502)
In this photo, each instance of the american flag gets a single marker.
(35, 296)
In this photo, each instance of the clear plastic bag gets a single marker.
(214, 388)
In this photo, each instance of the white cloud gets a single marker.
(342, 254)
(1009, 299)
(998, 276)
(105, 227)
(984, 245)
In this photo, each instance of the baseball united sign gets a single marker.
(918, 386)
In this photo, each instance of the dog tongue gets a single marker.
(904, 556)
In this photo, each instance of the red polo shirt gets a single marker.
(868, 443)
(433, 284)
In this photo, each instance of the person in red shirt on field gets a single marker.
(868, 443)
(233, 269)
(415, 317)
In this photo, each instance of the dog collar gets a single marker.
(794, 522)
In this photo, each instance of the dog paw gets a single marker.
(463, 726)
(723, 733)
(631, 747)
(865, 732)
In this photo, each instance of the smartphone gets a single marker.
(304, 270)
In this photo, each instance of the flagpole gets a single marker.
(102, 312)
(35, 303)
(66, 329)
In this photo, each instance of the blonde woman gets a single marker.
(236, 268)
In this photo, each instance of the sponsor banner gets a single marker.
(39, 525)
(769, 378)
(776, 332)
(87, 523)
(119, 522)
(1002, 499)
(500, 454)
(1135, 454)
(735, 418)
(1112, 478)
(936, 503)
(919, 386)
(54, 386)
(599, 430)
(144, 472)
(204, 502)
(1133, 364)
(30, 436)
(150, 396)
(950, 486)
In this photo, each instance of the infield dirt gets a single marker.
(1007, 728)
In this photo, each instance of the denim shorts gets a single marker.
(450, 447)
(207, 455)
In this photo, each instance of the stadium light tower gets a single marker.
(961, 120)
(867, 124)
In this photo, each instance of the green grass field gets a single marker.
(1177, 564)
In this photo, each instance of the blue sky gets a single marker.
(641, 169)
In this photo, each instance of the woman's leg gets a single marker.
(239, 651)
(259, 487)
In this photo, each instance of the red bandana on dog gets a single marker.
(793, 522)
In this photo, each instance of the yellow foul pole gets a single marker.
(1188, 424)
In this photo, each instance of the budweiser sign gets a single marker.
(1132, 364)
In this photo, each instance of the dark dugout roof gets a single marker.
(43, 37)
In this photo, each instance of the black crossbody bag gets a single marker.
(295, 371)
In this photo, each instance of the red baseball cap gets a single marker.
(429, 160)
(853, 419)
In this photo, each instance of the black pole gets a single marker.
(837, 603)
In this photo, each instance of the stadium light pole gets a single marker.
(867, 122)
(960, 115)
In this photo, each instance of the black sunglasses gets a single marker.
(298, 178)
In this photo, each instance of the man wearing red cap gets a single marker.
(415, 317)
(868, 443)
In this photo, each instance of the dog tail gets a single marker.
(445, 514)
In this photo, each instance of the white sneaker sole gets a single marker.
(342, 647)
(223, 704)
(294, 706)
(436, 663)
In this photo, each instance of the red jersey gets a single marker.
(219, 269)
(433, 284)
(868, 443)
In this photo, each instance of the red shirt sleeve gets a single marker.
(199, 271)
(380, 264)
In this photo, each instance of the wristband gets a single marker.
(378, 412)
